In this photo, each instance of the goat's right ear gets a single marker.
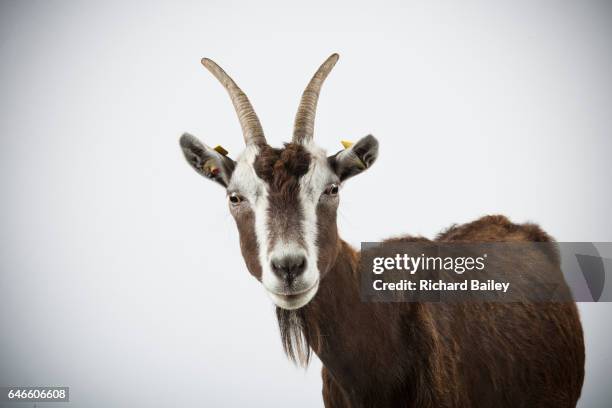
(208, 162)
(355, 158)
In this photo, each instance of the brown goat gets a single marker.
(284, 202)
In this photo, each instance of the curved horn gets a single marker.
(251, 127)
(304, 119)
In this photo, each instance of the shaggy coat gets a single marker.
(437, 354)
(412, 354)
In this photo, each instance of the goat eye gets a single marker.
(332, 190)
(235, 198)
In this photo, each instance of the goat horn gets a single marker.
(303, 129)
(251, 127)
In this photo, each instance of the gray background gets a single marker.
(120, 268)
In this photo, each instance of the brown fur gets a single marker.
(245, 221)
(436, 354)
(282, 169)
(399, 354)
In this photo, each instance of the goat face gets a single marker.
(284, 200)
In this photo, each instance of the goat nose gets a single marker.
(289, 267)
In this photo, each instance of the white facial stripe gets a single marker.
(311, 186)
(255, 190)
(244, 180)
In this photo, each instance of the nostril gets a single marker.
(298, 266)
(276, 267)
(289, 267)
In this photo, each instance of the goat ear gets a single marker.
(208, 162)
(355, 158)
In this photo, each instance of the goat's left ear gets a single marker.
(210, 163)
(355, 158)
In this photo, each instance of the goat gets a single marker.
(284, 202)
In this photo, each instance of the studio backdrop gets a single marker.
(120, 270)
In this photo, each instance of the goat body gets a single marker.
(436, 354)
(285, 201)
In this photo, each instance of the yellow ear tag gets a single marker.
(346, 143)
(219, 149)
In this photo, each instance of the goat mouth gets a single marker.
(294, 300)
